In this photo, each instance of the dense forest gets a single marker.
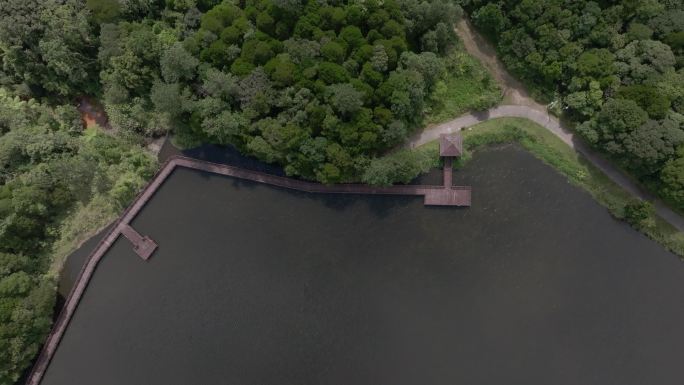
(322, 88)
(317, 87)
(615, 66)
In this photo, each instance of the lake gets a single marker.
(256, 285)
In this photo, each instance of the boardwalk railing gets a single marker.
(88, 269)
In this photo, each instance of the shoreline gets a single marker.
(574, 165)
(118, 226)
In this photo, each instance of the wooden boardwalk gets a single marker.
(454, 196)
(144, 246)
(448, 172)
(310, 187)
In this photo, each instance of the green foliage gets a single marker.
(333, 52)
(615, 66)
(130, 61)
(49, 166)
(177, 64)
(491, 19)
(597, 63)
(25, 316)
(639, 213)
(400, 167)
(345, 99)
(623, 129)
(642, 60)
(506, 133)
(104, 11)
(465, 86)
(649, 98)
(638, 31)
(47, 46)
(672, 176)
(332, 73)
(319, 88)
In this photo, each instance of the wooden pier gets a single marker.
(445, 195)
(454, 196)
(144, 246)
(439, 195)
(448, 172)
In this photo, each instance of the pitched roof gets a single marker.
(451, 144)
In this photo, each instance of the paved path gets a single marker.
(519, 104)
(552, 124)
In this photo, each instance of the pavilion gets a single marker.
(450, 147)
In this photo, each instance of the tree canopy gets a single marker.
(616, 67)
(48, 165)
(320, 88)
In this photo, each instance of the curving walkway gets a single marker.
(519, 104)
(552, 124)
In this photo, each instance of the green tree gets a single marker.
(177, 64)
(622, 129)
(491, 19)
(405, 94)
(596, 63)
(281, 70)
(672, 176)
(427, 64)
(221, 85)
(333, 52)
(49, 165)
(642, 60)
(639, 214)
(352, 36)
(650, 98)
(638, 31)
(47, 45)
(379, 60)
(402, 166)
(104, 11)
(168, 98)
(345, 99)
(332, 73)
(585, 103)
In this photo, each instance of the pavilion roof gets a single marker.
(451, 144)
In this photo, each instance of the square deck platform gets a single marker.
(456, 196)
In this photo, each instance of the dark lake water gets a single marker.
(253, 285)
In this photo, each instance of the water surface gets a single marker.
(255, 285)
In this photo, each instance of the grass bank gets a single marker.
(121, 180)
(552, 151)
(466, 86)
(83, 223)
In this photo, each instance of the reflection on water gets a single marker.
(534, 284)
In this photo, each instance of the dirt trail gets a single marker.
(518, 103)
(514, 91)
(93, 113)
